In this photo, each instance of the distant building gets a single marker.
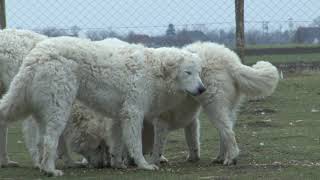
(308, 34)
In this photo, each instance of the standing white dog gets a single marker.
(85, 132)
(126, 84)
(14, 46)
(227, 81)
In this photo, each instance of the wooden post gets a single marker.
(3, 22)
(239, 9)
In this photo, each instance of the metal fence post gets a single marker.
(239, 9)
(3, 22)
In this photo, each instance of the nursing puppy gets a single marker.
(86, 133)
(110, 80)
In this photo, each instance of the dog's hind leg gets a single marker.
(31, 136)
(219, 114)
(53, 119)
(52, 97)
(192, 136)
(116, 149)
(132, 119)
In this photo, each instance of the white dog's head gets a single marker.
(188, 77)
(183, 69)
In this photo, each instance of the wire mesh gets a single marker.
(168, 22)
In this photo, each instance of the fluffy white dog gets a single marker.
(126, 84)
(259, 80)
(85, 131)
(227, 81)
(14, 46)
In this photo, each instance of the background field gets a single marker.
(278, 138)
(284, 58)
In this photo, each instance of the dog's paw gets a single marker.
(54, 173)
(149, 167)
(218, 160)
(9, 164)
(76, 164)
(163, 160)
(119, 165)
(193, 158)
(228, 162)
(155, 160)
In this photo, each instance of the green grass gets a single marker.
(293, 45)
(289, 130)
(284, 58)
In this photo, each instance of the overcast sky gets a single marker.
(153, 16)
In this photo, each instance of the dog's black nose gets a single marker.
(201, 89)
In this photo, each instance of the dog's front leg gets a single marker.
(160, 139)
(132, 120)
(4, 158)
(192, 135)
(116, 149)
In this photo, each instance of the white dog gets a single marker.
(14, 46)
(262, 81)
(227, 81)
(126, 84)
(84, 133)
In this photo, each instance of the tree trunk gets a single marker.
(3, 22)
(239, 9)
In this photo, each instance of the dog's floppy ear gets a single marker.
(170, 68)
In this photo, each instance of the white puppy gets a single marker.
(86, 133)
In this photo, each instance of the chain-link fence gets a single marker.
(282, 21)
(170, 22)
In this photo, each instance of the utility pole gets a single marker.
(3, 22)
(239, 9)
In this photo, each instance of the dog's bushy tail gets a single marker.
(259, 80)
(13, 104)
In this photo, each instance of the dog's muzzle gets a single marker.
(201, 89)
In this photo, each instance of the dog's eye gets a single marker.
(188, 72)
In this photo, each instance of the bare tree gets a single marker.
(316, 22)
(3, 23)
(239, 8)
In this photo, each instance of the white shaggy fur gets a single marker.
(227, 80)
(14, 46)
(126, 84)
(85, 129)
(86, 133)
